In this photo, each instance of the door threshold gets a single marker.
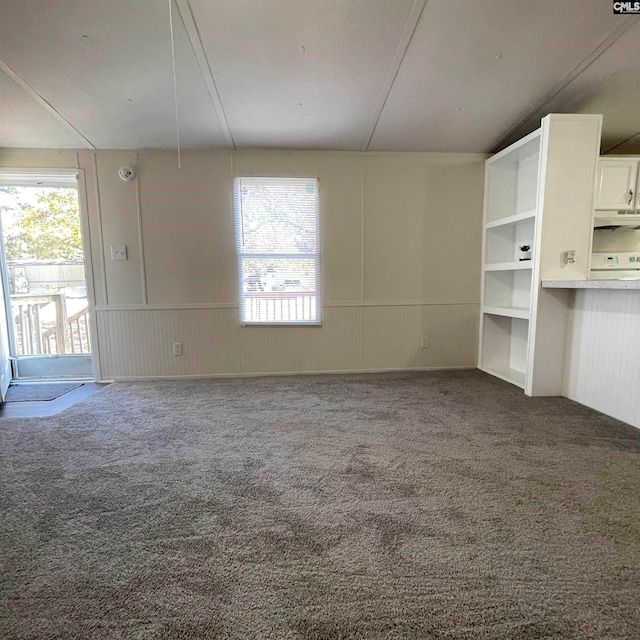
(50, 380)
(47, 408)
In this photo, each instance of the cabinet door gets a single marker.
(616, 184)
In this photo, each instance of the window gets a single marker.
(277, 242)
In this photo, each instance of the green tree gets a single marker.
(46, 230)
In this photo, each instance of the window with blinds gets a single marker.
(278, 248)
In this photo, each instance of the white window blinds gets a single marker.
(277, 243)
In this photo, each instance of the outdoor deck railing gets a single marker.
(279, 306)
(41, 325)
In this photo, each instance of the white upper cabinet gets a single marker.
(616, 184)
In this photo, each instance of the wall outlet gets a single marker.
(424, 344)
(177, 348)
(118, 252)
(569, 257)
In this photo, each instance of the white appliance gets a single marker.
(608, 219)
(622, 265)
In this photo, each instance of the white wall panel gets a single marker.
(422, 226)
(187, 227)
(139, 343)
(453, 334)
(335, 346)
(38, 158)
(393, 336)
(453, 227)
(396, 204)
(119, 207)
(604, 357)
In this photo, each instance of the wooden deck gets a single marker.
(50, 324)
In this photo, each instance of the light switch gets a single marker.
(118, 252)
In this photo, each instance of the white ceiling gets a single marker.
(405, 75)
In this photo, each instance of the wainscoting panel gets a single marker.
(453, 334)
(604, 356)
(393, 336)
(335, 346)
(139, 342)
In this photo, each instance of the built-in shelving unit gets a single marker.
(511, 191)
(538, 193)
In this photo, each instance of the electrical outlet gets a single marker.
(177, 348)
(569, 257)
(425, 342)
(118, 252)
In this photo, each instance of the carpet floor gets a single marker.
(409, 505)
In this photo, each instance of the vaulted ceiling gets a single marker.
(402, 75)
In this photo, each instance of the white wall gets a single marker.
(604, 353)
(400, 243)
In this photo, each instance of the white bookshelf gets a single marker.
(538, 192)
(511, 199)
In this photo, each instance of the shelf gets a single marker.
(508, 375)
(502, 241)
(507, 312)
(511, 181)
(520, 149)
(507, 289)
(508, 266)
(518, 217)
(504, 341)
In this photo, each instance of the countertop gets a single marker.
(591, 284)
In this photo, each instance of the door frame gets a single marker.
(6, 339)
(88, 271)
(86, 251)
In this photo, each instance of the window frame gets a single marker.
(240, 256)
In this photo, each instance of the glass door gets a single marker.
(43, 272)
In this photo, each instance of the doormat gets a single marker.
(39, 392)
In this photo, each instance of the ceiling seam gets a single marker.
(403, 44)
(568, 79)
(47, 106)
(619, 144)
(201, 57)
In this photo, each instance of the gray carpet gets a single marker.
(435, 505)
(39, 392)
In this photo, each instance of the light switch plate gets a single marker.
(118, 252)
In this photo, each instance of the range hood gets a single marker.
(613, 221)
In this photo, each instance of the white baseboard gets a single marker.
(283, 373)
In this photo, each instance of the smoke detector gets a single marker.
(127, 174)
